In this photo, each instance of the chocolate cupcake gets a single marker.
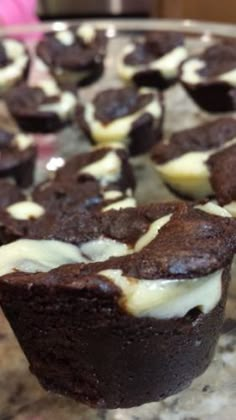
(210, 78)
(187, 162)
(75, 56)
(128, 115)
(153, 60)
(42, 108)
(96, 180)
(17, 157)
(14, 63)
(120, 308)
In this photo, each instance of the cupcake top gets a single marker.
(113, 113)
(216, 64)
(162, 51)
(146, 257)
(43, 98)
(73, 49)
(187, 160)
(14, 60)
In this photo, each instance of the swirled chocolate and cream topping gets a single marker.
(153, 60)
(99, 180)
(74, 55)
(195, 161)
(14, 63)
(17, 157)
(42, 107)
(158, 256)
(210, 78)
(129, 115)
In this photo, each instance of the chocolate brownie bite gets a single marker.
(185, 161)
(210, 77)
(42, 108)
(94, 180)
(128, 115)
(14, 63)
(124, 307)
(154, 60)
(17, 157)
(74, 56)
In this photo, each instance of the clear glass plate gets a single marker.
(211, 396)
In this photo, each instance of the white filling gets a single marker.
(231, 208)
(24, 210)
(64, 108)
(23, 141)
(152, 232)
(65, 37)
(164, 299)
(49, 87)
(122, 204)
(168, 64)
(213, 208)
(87, 32)
(119, 129)
(189, 173)
(112, 195)
(31, 256)
(103, 248)
(12, 72)
(189, 73)
(105, 170)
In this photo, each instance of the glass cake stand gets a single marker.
(211, 396)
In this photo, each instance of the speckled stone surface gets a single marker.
(210, 397)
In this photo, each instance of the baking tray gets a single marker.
(211, 396)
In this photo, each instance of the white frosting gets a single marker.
(65, 37)
(189, 173)
(189, 73)
(122, 204)
(105, 170)
(13, 72)
(24, 210)
(64, 108)
(164, 299)
(168, 64)
(119, 129)
(152, 232)
(23, 141)
(231, 208)
(213, 208)
(87, 32)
